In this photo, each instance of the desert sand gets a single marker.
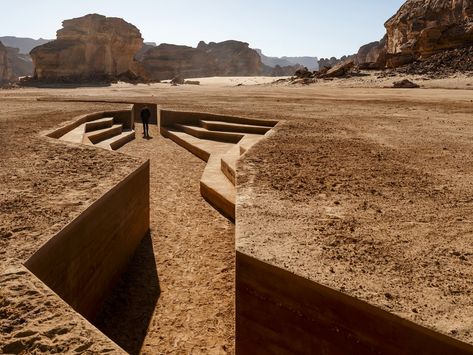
(375, 183)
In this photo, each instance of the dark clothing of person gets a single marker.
(145, 115)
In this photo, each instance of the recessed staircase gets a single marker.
(220, 141)
(102, 132)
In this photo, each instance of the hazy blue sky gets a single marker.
(306, 27)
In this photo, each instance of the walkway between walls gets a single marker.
(194, 250)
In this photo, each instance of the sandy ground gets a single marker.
(234, 80)
(376, 183)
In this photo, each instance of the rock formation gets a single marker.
(89, 48)
(21, 64)
(420, 29)
(372, 55)
(6, 73)
(331, 62)
(229, 58)
(233, 58)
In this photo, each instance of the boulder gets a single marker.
(89, 48)
(405, 84)
(192, 82)
(303, 73)
(178, 80)
(422, 28)
(340, 69)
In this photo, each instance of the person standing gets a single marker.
(145, 115)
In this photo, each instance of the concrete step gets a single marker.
(217, 189)
(233, 127)
(99, 124)
(242, 120)
(118, 141)
(247, 142)
(103, 134)
(75, 136)
(201, 148)
(228, 163)
(202, 133)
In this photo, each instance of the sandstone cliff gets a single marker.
(421, 28)
(372, 55)
(424, 27)
(89, 48)
(21, 64)
(229, 58)
(6, 74)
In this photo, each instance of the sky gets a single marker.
(292, 28)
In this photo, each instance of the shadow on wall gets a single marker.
(126, 314)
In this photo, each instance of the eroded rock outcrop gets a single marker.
(420, 29)
(6, 73)
(21, 64)
(229, 58)
(372, 55)
(424, 27)
(89, 48)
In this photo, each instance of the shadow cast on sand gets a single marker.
(126, 314)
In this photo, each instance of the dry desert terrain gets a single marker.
(364, 189)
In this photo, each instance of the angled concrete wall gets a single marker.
(123, 117)
(278, 312)
(84, 260)
(168, 118)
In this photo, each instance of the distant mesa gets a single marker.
(228, 58)
(311, 63)
(89, 48)
(420, 29)
(25, 45)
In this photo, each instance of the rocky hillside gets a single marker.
(229, 58)
(89, 48)
(420, 29)
(25, 45)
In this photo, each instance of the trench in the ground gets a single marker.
(126, 316)
(192, 246)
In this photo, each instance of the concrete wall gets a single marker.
(120, 116)
(281, 313)
(137, 110)
(168, 118)
(84, 260)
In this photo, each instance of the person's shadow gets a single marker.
(126, 314)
